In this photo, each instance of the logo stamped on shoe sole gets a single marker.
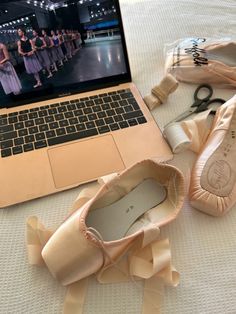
(219, 174)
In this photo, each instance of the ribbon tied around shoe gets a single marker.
(149, 258)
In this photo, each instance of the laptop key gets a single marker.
(62, 109)
(3, 121)
(59, 116)
(121, 91)
(29, 123)
(53, 125)
(90, 125)
(33, 115)
(92, 116)
(13, 114)
(123, 102)
(114, 127)
(132, 122)
(141, 120)
(111, 112)
(8, 136)
(22, 132)
(119, 110)
(100, 122)
(83, 119)
(132, 115)
(101, 114)
(106, 107)
(118, 118)
(43, 113)
(72, 137)
(103, 129)
(69, 115)
(88, 110)
(71, 107)
(80, 105)
(39, 121)
(50, 134)
(80, 127)
(19, 125)
(18, 141)
(97, 108)
(6, 128)
(128, 109)
(63, 123)
(61, 131)
(39, 136)
(49, 119)
(107, 99)
(52, 110)
(17, 150)
(98, 101)
(6, 152)
(33, 130)
(126, 95)
(6, 144)
(109, 120)
(13, 119)
(123, 124)
(29, 139)
(28, 147)
(73, 121)
(23, 117)
(40, 144)
(115, 104)
(43, 128)
(78, 112)
(89, 103)
(115, 97)
(70, 129)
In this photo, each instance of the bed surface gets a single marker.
(203, 247)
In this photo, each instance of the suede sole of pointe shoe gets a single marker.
(213, 180)
(113, 221)
(218, 177)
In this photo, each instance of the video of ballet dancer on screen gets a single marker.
(57, 43)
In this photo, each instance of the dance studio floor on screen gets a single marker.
(94, 60)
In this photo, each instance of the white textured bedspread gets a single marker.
(203, 247)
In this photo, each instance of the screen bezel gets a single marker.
(85, 86)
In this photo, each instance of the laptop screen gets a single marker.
(55, 48)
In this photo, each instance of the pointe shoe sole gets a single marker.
(213, 180)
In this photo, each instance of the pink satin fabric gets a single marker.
(141, 255)
(214, 72)
(216, 198)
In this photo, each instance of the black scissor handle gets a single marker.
(198, 100)
(205, 105)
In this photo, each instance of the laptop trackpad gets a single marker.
(84, 161)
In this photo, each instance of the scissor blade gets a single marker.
(183, 115)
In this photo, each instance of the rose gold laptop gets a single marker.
(69, 111)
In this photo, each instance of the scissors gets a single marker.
(200, 104)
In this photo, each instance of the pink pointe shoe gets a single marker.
(110, 221)
(213, 180)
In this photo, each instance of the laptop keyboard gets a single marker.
(27, 130)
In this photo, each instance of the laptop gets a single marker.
(69, 110)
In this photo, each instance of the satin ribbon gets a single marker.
(197, 130)
(148, 259)
(190, 134)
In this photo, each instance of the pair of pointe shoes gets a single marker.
(102, 230)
